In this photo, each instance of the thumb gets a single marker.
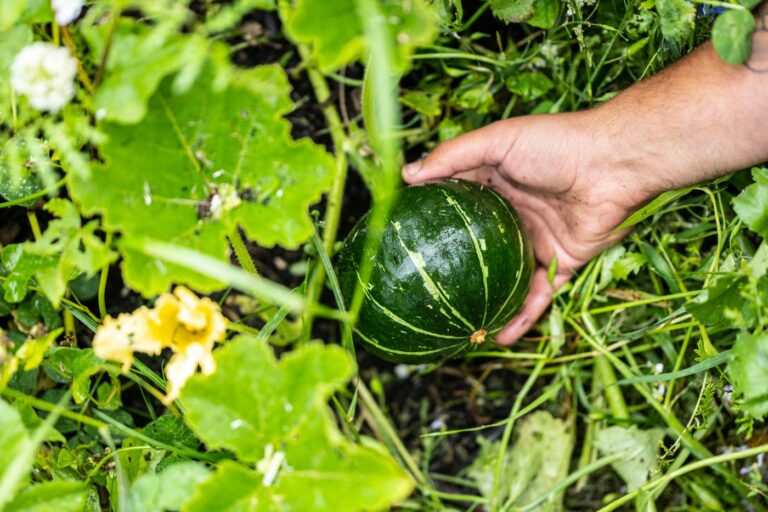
(483, 147)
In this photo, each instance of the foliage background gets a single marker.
(206, 134)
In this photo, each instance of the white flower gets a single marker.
(45, 74)
(66, 11)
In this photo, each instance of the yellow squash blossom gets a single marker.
(182, 322)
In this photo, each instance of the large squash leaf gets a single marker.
(139, 59)
(57, 496)
(274, 414)
(200, 163)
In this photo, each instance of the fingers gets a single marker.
(476, 149)
(536, 303)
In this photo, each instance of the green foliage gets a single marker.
(538, 13)
(12, 40)
(534, 464)
(50, 497)
(141, 58)
(409, 25)
(748, 371)
(513, 10)
(637, 451)
(222, 17)
(223, 158)
(15, 441)
(677, 18)
(278, 420)
(732, 35)
(752, 204)
(66, 250)
(75, 366)
(169, 489)
(529, 86)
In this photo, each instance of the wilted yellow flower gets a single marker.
(183, 322)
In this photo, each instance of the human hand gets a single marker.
(562, 176)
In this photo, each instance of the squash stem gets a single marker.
(335, 195)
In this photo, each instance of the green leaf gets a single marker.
(654, 206)
(16, 444)
(51, 497)
(639, 450)
(223, 17)
(26, 11)
(732, 35)
(168, 490)
(23, 184)
(629, 263)
(274, 414)
(759, 264)
(677, 18)
(529, 86)
(536, 462)
(11, 43)
(20, 268)
(138, 60)
(749, 371)
(10, 12)
(66, 250)
(422, 102)
(751, 205)
(512, 10)
(33, 349)
(74, 365)
(273, 399)
(32, 421)
(222, 156)
(544, 13)
(172, 431)
(36, 308)
(723, 294)
(411, 23)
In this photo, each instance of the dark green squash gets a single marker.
(453, 266)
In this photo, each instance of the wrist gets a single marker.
(617, 161)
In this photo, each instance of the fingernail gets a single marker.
(413, 167)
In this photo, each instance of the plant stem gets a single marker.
(113, 18)
(34, 225)
(381, 422)
(103, 282)
(241, 251)
(573, 477)
(336, 194)
(504, 443)
(81, 74)
(48, 406)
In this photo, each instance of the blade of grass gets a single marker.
(707, 364)
(259, 287)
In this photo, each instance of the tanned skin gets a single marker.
(574, 177)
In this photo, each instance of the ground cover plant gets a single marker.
(176, 178)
